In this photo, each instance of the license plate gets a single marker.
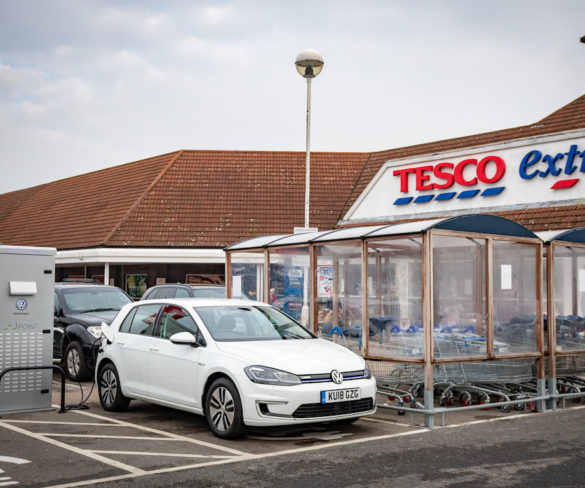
(333, 396)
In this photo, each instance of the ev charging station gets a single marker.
(27, 277)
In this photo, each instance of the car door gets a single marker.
(133, 344)
(173, 368)
(58, 328)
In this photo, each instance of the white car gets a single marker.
(238, 362)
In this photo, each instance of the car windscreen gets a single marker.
(255, 323)
(81, 300)
(209, 292)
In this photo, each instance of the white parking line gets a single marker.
(100, 436)
(159, 454)
(8, 483)
(94, 424)
(249, 457)
(221, 460)
(511, 417)
(95, 457)
(163, 433)
(13, 460)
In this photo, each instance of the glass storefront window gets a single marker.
(339, 293)
(395, 298)
(514, 297)
(290, 281)
(459, 296)
(247, 275)
(570, 297)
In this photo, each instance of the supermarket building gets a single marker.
(168, 218)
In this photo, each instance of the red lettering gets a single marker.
(403, 178)
(500, 169)
(421, 177)
(448, 177)
(443, 175)
(458, 173)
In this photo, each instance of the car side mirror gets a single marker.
(107, 332)
(184, 338)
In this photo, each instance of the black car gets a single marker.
(80, 310)
(179, 290)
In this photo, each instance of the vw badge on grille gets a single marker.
(337, 377)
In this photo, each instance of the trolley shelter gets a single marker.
(565, 320)
(450, 307)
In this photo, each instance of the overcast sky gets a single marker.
(89, 84)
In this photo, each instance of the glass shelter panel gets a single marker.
(395, 298)
(290, 280)
(514, 297)
(339, 293)
(247, 275)
(570, 297)
(459, 296)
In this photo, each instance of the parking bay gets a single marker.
(85, 446)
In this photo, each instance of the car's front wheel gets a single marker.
(74, 362)
(223, 409)
(110, 390)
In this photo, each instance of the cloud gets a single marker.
(130, 21)
(214, 15)
(90, 84)
(17, 82)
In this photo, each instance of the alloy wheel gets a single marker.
(109, 386)
(221, 409)
(73, 361)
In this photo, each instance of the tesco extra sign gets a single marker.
(455, 179)
(446, 174)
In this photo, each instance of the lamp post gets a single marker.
(309, 64)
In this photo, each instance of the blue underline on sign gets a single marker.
(442, 197)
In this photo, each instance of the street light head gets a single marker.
(309, 63)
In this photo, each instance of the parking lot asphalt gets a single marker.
(89, 445)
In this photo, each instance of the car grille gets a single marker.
(310, 410)
(326, 377)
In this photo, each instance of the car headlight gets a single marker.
(95, 330)
(367, 373)
(271, 376)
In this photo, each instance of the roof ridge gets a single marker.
(142, 197)
(345, 207)
(572, 106)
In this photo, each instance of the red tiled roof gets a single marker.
(535, 219)
(77, 212)
(216, 198)
(548, 218)
(182, 199)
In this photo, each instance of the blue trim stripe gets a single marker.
(468, 194)
(490, 192)
(424, 199)
(403, 201)
(441, 197)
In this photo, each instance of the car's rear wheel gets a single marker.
(110, 390)
(74, 362)
(223, 409)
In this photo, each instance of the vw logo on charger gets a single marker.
(21, 304)
(337, 377)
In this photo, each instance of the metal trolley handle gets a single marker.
(53, 367)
